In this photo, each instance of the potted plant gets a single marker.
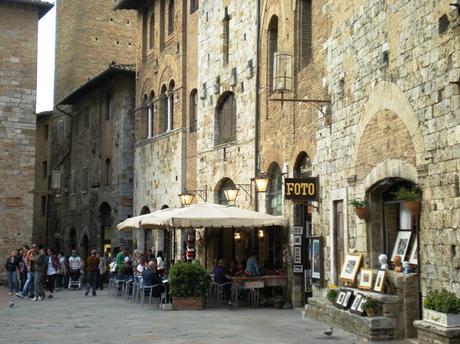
(278, 301)
(188, 283)
(361, 209)
(442, 308)
(411, 198)
(371, 306)
(331, 294)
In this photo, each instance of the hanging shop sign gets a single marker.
(301, 189)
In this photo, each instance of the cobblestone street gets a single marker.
(73, 318)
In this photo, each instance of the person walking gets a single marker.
(75, 265)
(28, 288)
(52, 266)
(12, 268)
(92, 269)
(102, 271)
(39, 260)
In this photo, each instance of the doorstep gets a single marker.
(370, 328)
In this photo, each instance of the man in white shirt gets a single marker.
(75, 266)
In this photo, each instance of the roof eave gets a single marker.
(43, 6)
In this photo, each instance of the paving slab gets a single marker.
(71, 317)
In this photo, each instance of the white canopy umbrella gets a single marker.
(135, 222)
(207, 215)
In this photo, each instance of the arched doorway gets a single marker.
(222, 185)
(105, 220)
(389, 219)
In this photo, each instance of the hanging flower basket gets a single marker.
(362, 213)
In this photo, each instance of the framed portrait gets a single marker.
(401, 245)
(316, 258)
(340, 298)
(413, 258)
(356, 303)
(297, 255)
(380, 281)
(298, 230)
(366, 279)
(297, 269)
(347, 299)
(297, 240)
(350, 267)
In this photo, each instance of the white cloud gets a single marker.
(45, 68)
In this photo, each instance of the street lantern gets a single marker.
(186, 198)
(231, 194)
(283, 72)
(262, 181)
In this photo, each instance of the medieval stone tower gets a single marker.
(89, 36)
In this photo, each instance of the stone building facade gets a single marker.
(166, 93)
(18, 70)
(95, 192)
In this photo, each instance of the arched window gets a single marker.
(193, 108)
(272, 48)
(304, 29)
(226, 118)
(163, 110)
(144, 132)
(170, 105)
(274, 197)
(171, 17)
(108, 172)
(152, 30)
(150, 110)
(162, 24)
(225, 183)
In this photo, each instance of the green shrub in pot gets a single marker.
(188, 280)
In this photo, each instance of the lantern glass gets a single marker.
(262, 183)
(186, 198)
(261, 233)
(237, 236)
(231, 194)
(283, 72)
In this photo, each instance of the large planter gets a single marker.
(441, 319)
(187, 303)
(413, 206)
(362, 213)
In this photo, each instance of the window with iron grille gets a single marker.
(226, 118)
(304, 30)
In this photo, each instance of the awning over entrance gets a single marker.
(206, 215)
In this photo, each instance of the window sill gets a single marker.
(226, 144)
(158, 137)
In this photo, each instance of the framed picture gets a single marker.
(366, 279)
(380, 281)
(360, 309)
(298, 230)
(413, 258)
(297, 240)
(340, 298)
(316, 257)
(356, 303)
(401, 245)
(297, 255)
(297, 269)
(307, 280)
(350, 267)
(347, 299)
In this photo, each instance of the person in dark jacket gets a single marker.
(52, 266)
(12, 268)
(150, 278)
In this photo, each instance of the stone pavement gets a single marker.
(71, 317)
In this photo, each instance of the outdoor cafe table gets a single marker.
(253, 284)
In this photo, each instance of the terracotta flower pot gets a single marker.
(413, 206)
(362, 213)
(187, 303)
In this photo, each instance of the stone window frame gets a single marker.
(163, 110)
(225, 119)
(44, 168)
(150, 104)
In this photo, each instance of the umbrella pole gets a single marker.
(206, 248)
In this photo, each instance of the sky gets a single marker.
(45, 68)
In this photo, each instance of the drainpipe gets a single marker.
(257, 119)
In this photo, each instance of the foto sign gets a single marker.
(301, 189)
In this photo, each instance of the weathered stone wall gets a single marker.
(394, 114)
(234, 160)
(18, 65)
(89, 35)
